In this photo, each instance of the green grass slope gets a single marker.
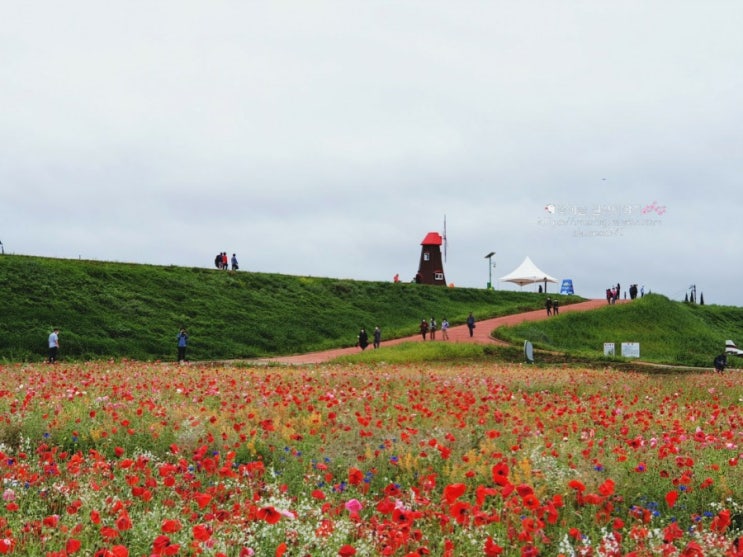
(107, 309)
(668, 332)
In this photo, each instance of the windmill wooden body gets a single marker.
(431, 266)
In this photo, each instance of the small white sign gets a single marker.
(609, 349)
(631, 349)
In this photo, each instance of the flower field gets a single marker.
(134, 459)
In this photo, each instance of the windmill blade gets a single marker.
(445, 241)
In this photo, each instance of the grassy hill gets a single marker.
(668, 332)
(106, 309)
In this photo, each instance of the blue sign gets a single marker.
(567, 287)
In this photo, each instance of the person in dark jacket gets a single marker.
(363, 339)
(721, 362)
(424, 328)
(471, 323)
(377, 336)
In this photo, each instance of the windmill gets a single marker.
(431, 266)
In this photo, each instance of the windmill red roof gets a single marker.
(432, 239)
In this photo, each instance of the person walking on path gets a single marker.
(182, 342)
(555, 307)
(548, 305)
(424, 328)
(53, 345)
(377, 336)
(444, 329)
(363, 339)
(471, 323)
(432, 329)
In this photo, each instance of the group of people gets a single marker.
(552, 306)
(221, 262)
(612, 294)
(363, 338)
(428, 328)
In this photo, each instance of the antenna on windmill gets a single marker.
(445, 239)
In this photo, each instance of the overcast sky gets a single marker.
(602, 139)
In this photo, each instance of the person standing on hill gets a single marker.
(53, 346)
(471, 323)
(235, 266)
(182, 342)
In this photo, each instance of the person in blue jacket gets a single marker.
(182, 342)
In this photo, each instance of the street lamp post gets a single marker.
(489, 257)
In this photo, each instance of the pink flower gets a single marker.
(353, 506)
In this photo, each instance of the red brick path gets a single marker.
(459, 333)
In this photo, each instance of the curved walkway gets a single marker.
(458, 333)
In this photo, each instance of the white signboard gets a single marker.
(631, 349)
(529, 352)
(609, 349)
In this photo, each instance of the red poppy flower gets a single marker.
(523, 490)
(693, 549)
(492, 549)
(269, 514)
(355, 476)
(721, 522)
(109, 533)
(170, 526)
(607, 488)
(577, 485)
(119, 551)
(530, 501)
(671, 498)
(672, 532)
(123, 522)
(500, 473)
(201, 532)
(51, 521)
(452, 492)
(347, 551)
(460, 511)
(163, 546)
(72, 546)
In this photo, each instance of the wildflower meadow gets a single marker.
(151, 459)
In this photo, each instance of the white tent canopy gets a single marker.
(528, 273)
